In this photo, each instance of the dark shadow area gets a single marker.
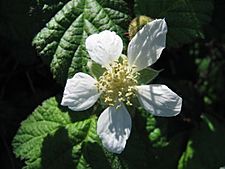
(135, 154)
(24, 80)
(214, 139)
(56, 152)
(95, 156)
(24, 83)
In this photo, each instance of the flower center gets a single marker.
(117, 84)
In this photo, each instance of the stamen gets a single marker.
(118, 83)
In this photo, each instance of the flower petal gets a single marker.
(147, 45)
(80, 92)
(113, 127)
(105, 47)
(159, 100)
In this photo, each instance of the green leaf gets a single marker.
(157, 129)
(185, 19)
(62, 41)
(205, 148)
(55, 138)
(147, 75)
(95, 69)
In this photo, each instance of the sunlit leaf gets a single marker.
(61, 42)
(54, 138)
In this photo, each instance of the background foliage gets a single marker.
(42, 44)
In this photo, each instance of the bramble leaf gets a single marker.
(95, 69)
(54, 138)
(147, 75)
(62, 41)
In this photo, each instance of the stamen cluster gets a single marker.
(117, 84)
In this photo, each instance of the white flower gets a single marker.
(118, 84)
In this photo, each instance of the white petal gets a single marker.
(80, 92)
(105, 47)
(113, 127)
(147, 45)
(159, 100)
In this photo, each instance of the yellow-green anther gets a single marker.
(117, 84)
